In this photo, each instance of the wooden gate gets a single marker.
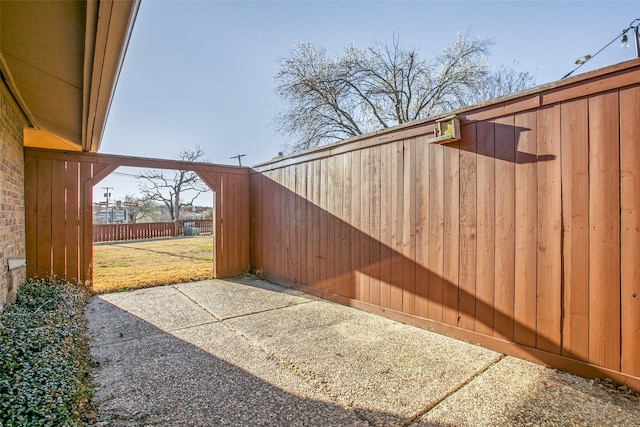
(59, 198)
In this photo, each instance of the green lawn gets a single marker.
(131, 265)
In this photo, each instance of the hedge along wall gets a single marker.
(523, 236)
(12, 224)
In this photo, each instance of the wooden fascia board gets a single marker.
(139, 162)
(115, 21)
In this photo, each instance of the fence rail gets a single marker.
(147, 230)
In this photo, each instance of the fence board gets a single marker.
(549, 224)
(58, 201)
(467, 303)
(354, 219)
(317, 251)
(85, 230)
(630, 227)
(504, 227)
(311, 237)
(72, 219)
(348, 232)
(331, 247)
(31, 214)
(451, 230)
(485, 214)
(435, 226)
(375, 225)
(604, 239)
(526, 230)
(285, 209)
(44, 218)
(340, 244)
(575, 207)
(295, 212)
(386, 224)
(423, 150)
(397, 209)
(365, 224)
(408, 242)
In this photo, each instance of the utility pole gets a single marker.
(107, 194)
(239, 157)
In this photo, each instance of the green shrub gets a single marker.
(44, 372)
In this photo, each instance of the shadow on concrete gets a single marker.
(199, 375)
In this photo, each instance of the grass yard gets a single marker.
(130, 265)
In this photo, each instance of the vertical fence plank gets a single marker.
(281, 256)
(58, 202)
(298, 223)
(44, 218)
(317, 252)
(336, 216)
(31, 213)
(604, 215)
(323, 226)
(230, 225)
(330, 189)
(365, 225)
(397, 209)
(574, 125)
(436, 231)
(485, 264)
(504, 231)
(526, 229)
(310, 238)
(290, 247)
(354, 220)
(226, 202)
(468, 173)
(374, 226)
(244, 229)
(72, 220)
(423, 185)
(549, 226)
(87, 170)
(630, 227)
(347, 230)
(386, 224)
(219, 228)
(451, 229)
(408, 228)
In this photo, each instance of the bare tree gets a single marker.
(503, 81)
(143, 209)
(363, 90)
(171, 187)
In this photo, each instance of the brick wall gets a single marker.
(12, 224)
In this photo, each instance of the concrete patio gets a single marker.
(248, 352)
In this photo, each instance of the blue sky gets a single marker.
(201, 72)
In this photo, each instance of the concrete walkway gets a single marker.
(247, 352)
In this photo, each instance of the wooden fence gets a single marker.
(523, 236)
(58, 210)
(147, 230)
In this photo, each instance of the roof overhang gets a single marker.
(61, 60)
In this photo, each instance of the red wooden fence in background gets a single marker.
(147, 230)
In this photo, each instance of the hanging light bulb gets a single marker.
(583, 59)
(625, 41)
